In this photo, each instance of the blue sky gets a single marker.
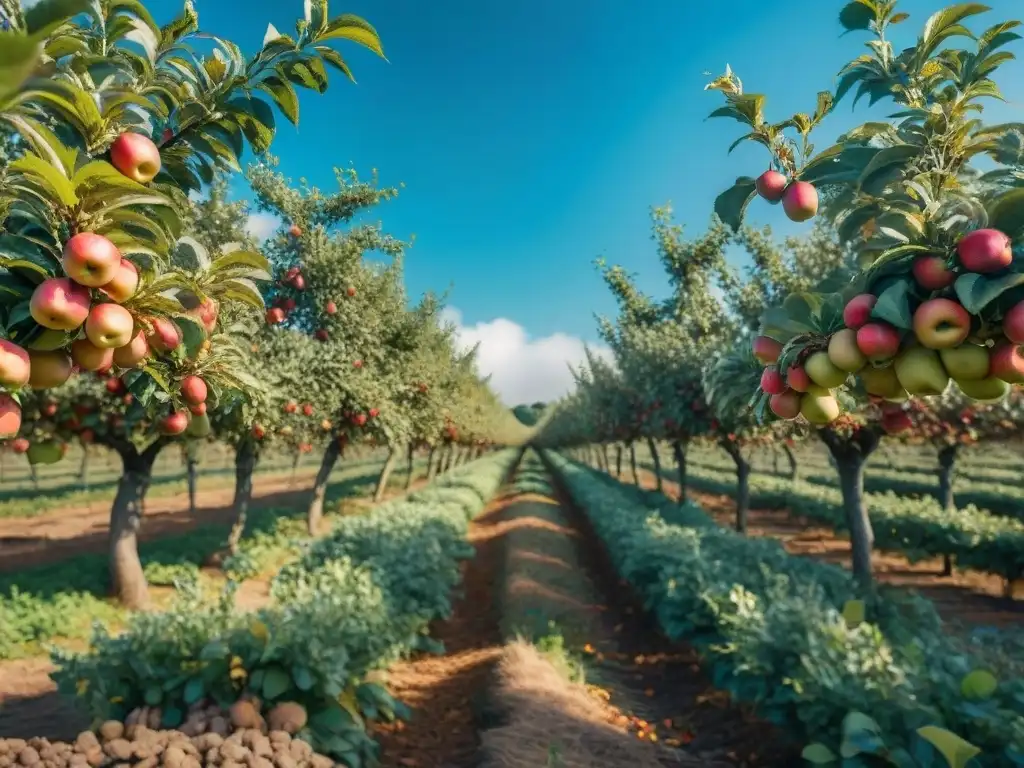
(534, 135)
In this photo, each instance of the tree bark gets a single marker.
(947, 465)
(295, 467)
(83, 469)
(431, 464)
(632, 464)
(792, 461)
(315, 515)
(653, 448)
(128, 581)
(618, 461)
(679, 452)
(742, 484)
(851, 455)
(411, 466)
(246, 456)
(385, 474)
(34, 474)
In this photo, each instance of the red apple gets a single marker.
(320, 335)
(132, 353)
(1013, 323)
(1007, 363)
(932, 273)
(767, 350)
(193, 390)
(800, 201)
(124, 283)
(307, 409)
(165, 336)
(275, 316)
(358, 363)
(290, 407)
(136, 156)
(197, 409)
(114, 385)
(109, 326)
(91, 259)
(89, 357)
(15, 366)
(771, 381)
(258, 432)
(10, 416)
(299, 283)
(786, 404)
(858, 310)
(797, 379)
(941, 324)
(48, 408)
(878, 341)
(359, 419)
(48, 369)
(289, 305)
(894, 422)
(21, 445)
(771, 185)
(60, 304)
(331, 308)
(295, 230)
(985, 250)
(351, 291)
(175, 423)
(374, 413)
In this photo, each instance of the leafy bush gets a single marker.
(776, 635)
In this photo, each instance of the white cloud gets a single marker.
(262, 225)
(523, 370)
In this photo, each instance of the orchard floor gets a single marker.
(646, 685)
(969, 598)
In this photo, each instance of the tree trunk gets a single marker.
(315, 515)
(851, 456)
(431, 464)
(653, 448)
(632, 464)
(34, 474)
(411, 467)
(792, 461)
(679, 451)
(775, 462)
(618, 461)
(604, 456)
(947, 465)
(385, 475)
(128, 581)
(742, 484)
(295, 467)
(246, 457)
(83, 469)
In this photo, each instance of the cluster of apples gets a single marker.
(799, 198)
(893, 367)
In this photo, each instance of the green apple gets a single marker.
(920, 371)
(990, 390)
(968, 362)
(881, 381)
(823, 371)
(843, 351)
(819, 408)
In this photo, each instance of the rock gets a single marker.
(119, 749)
(95, 756)
(208, 741)
(282, 760)
(112, 729)
(174, 757)
(85, 741)
(29, 756)
(232, 750)
(150, 762)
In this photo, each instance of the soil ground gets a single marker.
(968, 597)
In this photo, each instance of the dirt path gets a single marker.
(968, 597)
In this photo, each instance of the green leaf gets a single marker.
(978, 685)
(856, 15)
(50, 340)
(195, 689)
(284, 96)
(354, 29)
(731, 204)
(976, 291)
(303, 677)
(332, 719)
(243, 289)
(1006, 213)
(276, 682)
(52, 178)
(888, 160)
(256, 119)
(957, 751)
(194, 253)
(819, 754)
(46, 15)
(893, 305)
(192, 335)
(172, 717)
(154, 695)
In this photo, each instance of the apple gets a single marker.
(21, 445)
(109, 326)
(881, 382)
(878, 341)
(771, 381)
(60, 304)
(800, 201)
(204, 311)
(932, 273)
(193, 390)
(351, 291)
(275, 316)
(48, 408)
(175, 423)
(197, 409)
(331, 308)
(49, 452)
(823, 372)
(299, 283)
(894, 422)
(289, 305)
(1013, 323)
(136, 156)
(89, 357)
(48, 369)
(920, 371)
(771, 185)
(290, 407)
(985, 250)
(818, 406)
(15, 366)
(990, 390)
(320, 335)
(358, 363)
(968, 362)
(844, 352)
(307, 409)
(258, 432)
(767, 350)
(786, 405)
(125, 282)
(326, 425)
(114, 385)
(796, 378)
(165, 335)
(91, 259)
(359, 419)
(941, 324)
(857, 311)
(132, 353)
(374, 413)
(295, 230)
(10, 416)
(1007, 363)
